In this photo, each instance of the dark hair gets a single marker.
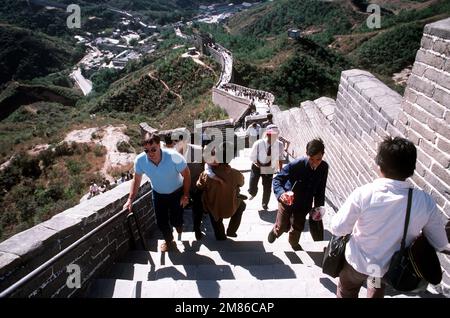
(168, 140)
(315, 147)
(397, 158)
(151, 138)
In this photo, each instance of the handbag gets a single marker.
(334, 256)
(411, 266)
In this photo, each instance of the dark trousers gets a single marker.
(292, 219)
(235, 221)
(168, 212)
(266, 181)
(197, 209)
(350, 282)
(289, 219)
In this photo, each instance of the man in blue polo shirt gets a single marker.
(171, 180)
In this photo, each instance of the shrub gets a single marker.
(123, 146)
(99, 151)
(47, 157)
(74, 167)
(63, 149)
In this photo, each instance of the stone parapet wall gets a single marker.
(366, 110)
(236, 107)
(24, 252)
(425, 119)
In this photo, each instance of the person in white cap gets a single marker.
(266, 156)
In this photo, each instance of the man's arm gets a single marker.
(344, 220)
(135, 184)
(186, 173)
(280, 180)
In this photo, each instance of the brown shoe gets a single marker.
(168, 246)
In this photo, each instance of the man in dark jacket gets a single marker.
(296, 187)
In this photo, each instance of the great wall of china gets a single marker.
(97, 232)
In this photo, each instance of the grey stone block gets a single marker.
(440, 29)
(431, 106)
(394, 131)
(441, 173)
(442, 97)
(410, 95)
(421, 183)
(433, 75)
(389, 106)
(413, 136)
(442, 47)
(8, 263)
(381, 91)
(427, 42)
(440, 197)
(439, 126)
(402, 128)
(380, 120)
(428, 58)
(447, 66)
(420, 169)
(423, 130)
(403, 118)
(348, 74)
(419, 69)
(441, 189)
(443, 145)
(366, 84)
(31, 242)
(421, 85)
(68, 229)
(424, 158)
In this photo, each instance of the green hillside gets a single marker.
(22, 52)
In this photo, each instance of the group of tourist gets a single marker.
(247, 93)
(373, 214)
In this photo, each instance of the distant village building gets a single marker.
(294, 33)
(192, 51)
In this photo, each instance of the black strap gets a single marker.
(408, 211)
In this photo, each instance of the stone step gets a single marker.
(270, 288)
(112, 288)
(204, 257)
(147, 272)
(232, 244)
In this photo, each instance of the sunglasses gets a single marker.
(153, 150)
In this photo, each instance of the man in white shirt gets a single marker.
(253, 132)
(374, 215)
(267, 156)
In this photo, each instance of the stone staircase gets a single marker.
(243, 267)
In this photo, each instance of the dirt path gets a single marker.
(107, 136)
(180, 98)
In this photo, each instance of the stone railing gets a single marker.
(28, 250)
